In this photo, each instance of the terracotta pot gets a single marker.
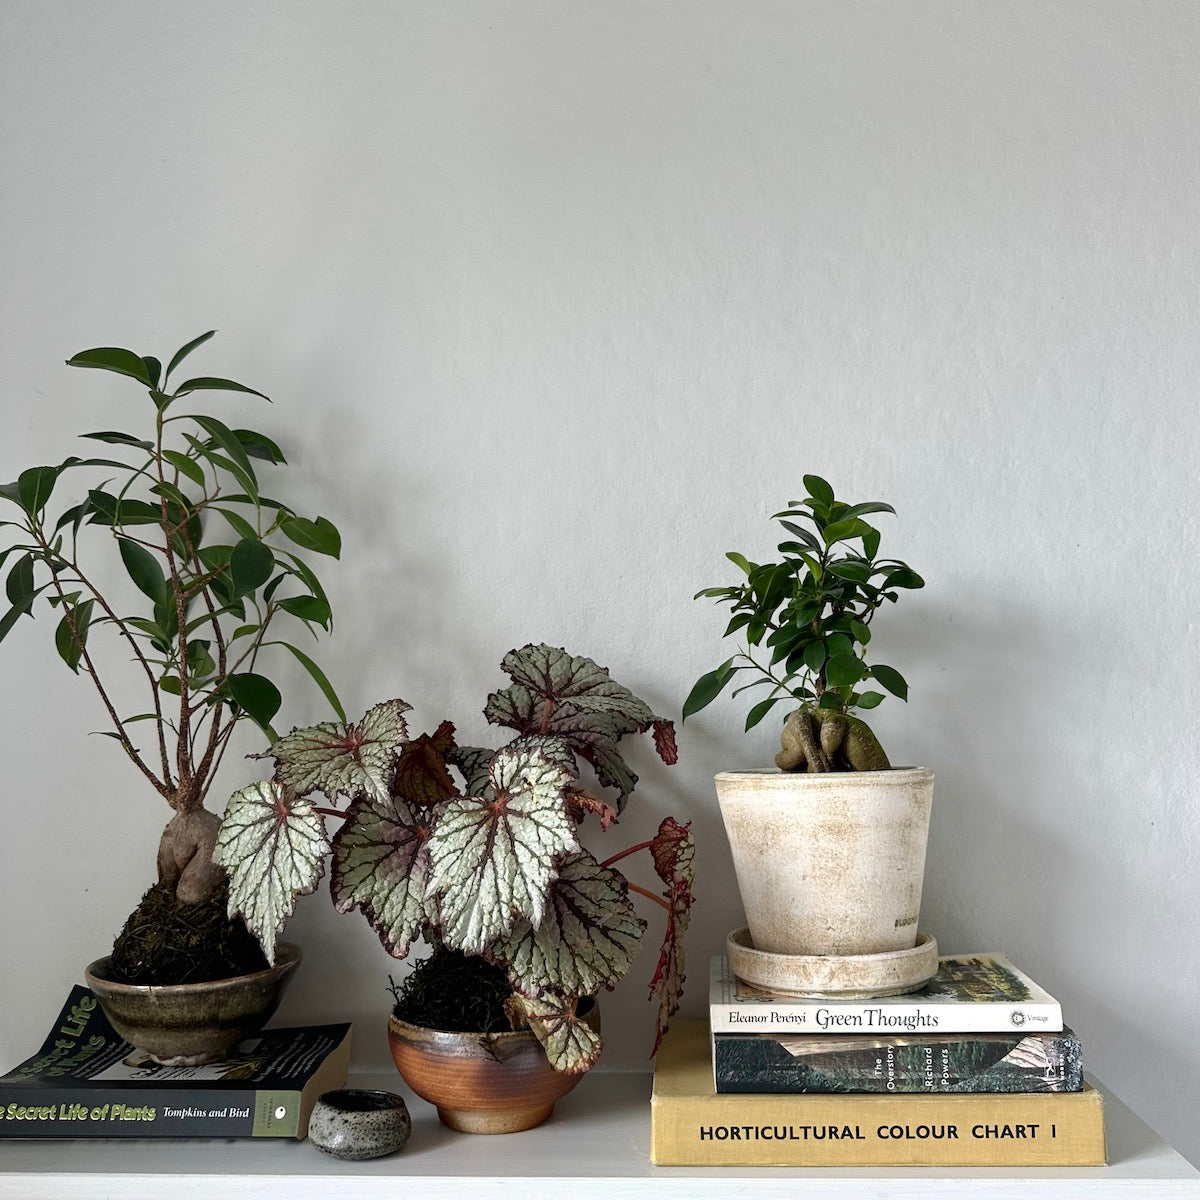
(185, 1024)
(829, 863)
(481, 1082)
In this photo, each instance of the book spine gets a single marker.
(783, 1064)
(1005, 1130)
(865, 1019)
(114, 1112)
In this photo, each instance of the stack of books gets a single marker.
(975, 1069)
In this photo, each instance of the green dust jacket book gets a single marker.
(784, 1063)
(87, 1082)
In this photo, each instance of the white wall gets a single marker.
(557, 302)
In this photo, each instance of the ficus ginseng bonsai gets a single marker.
(804, 622)
(212, 563)
(489, 864)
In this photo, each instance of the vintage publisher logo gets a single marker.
(1018, 1018)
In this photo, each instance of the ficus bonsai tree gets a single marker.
(805, 624)
(476, 850)
(212, 564)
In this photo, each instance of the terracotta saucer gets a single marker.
(850, 976)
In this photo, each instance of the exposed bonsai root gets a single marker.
(819, 739)
(185, 853)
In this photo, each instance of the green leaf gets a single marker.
(891, 679)
(258, 445)
(814, 655)
(493, 856)
(9, 619)
(708, 687)
(71, 635)
(855, 572)
(818, 489)
(112, 358)
(381, 866)
(842, 531)
(238, 524)
(186, 466)
(760, 710)
(871, 506)
(144, 570)
(868, 699)
(10, 491)
(171, 685)
(318, 677)
(273, 845)
(224, 437)
(250, 566)
(206, 383)
(862, 634)
(19, 585)
(153, 369)
(843, 670)
(184, 351)
(740, 560)
(870, 543)
(319, 535)
(903, 577)
(838, 643)
(585, 941)
(257, 697)
(308, 608)
(831, 700)
(738, 622)
(114, 437)
(805, 536)
(343, 759)
(34, 487)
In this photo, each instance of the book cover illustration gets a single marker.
(87, 1081)
(988, 1062)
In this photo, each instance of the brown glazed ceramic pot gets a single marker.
(185, 1024)
(481, 1082)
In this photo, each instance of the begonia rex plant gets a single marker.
(476, 850)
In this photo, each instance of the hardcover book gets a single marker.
(971, 993)
(692, 1125)
(929, 1062)
(86, 1081)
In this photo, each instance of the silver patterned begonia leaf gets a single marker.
(570, 1043)
(339, 759)
(585, 941)
(572, 697)
(472, 763)
(273, 845)
(381, 865)
(493, 855)
(674, 853)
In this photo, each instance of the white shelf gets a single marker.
(596, 1145)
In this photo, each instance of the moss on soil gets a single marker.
(454, 991)
(166, 942)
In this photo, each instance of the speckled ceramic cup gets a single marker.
(358, 1123)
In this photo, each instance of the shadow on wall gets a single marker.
(1001, 860)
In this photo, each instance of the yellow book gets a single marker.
(693, 1126)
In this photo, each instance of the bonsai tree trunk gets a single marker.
(185, 855)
